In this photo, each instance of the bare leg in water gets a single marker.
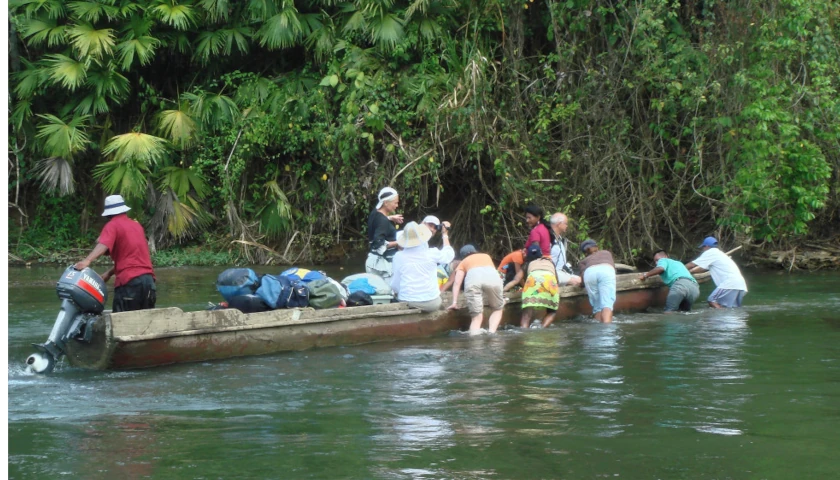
(549, 318)
(475, 324)
(715, 305)
(606, 315)
(495, 320)
(527, 315)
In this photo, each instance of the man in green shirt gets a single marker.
(682, 287)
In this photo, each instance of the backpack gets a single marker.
(279, 291)
(237, 281)
(323, 294)
(358, 299)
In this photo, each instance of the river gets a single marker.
(748, 393)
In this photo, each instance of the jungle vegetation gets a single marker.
(268, 126)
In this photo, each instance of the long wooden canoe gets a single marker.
(148, 338)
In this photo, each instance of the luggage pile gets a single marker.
(249, 292)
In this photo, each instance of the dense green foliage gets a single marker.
(267, 122)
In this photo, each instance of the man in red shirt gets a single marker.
(125, 241)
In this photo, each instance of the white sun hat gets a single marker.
(431, 219)
(413, 235)
(384, 195)
(114, 205)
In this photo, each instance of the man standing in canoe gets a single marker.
(125, 241)
(730, 284)
(682, 287)
(382, 235)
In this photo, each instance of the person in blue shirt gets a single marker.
(682, 287)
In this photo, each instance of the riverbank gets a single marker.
(810, 256)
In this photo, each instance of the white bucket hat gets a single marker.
(431, 219)
(384, 195)
(114, 205)
(413, 235)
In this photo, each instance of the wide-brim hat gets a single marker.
(385, 195)
(413, 235)
(115, 205)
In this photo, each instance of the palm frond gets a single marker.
(178, 126)
(386, 30)
(21, 112)
(93, 11)
(126, 177)
(205, 106)
(37, 32)
(92, 104)
(217, 10)
(178, 216)
(181, 180)
(142, 48)
(282, 30)
(54, 9)
(259, 10)
(56, 175)
(69, 72)
(29, 79)
(276, 214)
(108, 82)
(136, 146)
(63, 139)
(88, 40)
(180, 17)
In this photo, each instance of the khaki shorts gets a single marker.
(483, 286)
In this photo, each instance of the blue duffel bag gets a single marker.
(234, 282)
(280, 291)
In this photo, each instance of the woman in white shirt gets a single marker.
(415, 268)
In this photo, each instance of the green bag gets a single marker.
(323, 294)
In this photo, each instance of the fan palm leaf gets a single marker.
(30, 79)
(93, 11)
(217, 10)
(92, 104)
(53, 9)
(63, 139)
(136, 147)
(90, 41)
(21, 113)
(178, 16)
(126, 177)
(178, 126)
(37, 31)
(386, 30)
(181, 180)
(142, 48)
(68, 72)
(282, 30)
(276, 214)
(56, 174)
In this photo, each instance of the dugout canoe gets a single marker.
(162, 336)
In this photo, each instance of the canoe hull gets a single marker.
(150, 338)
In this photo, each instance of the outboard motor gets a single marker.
(83, 295)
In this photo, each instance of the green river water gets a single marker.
(752, 393)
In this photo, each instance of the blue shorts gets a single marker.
(600, 286)
(727, 298)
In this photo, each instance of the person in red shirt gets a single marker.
(541, 232)
(125, 241)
